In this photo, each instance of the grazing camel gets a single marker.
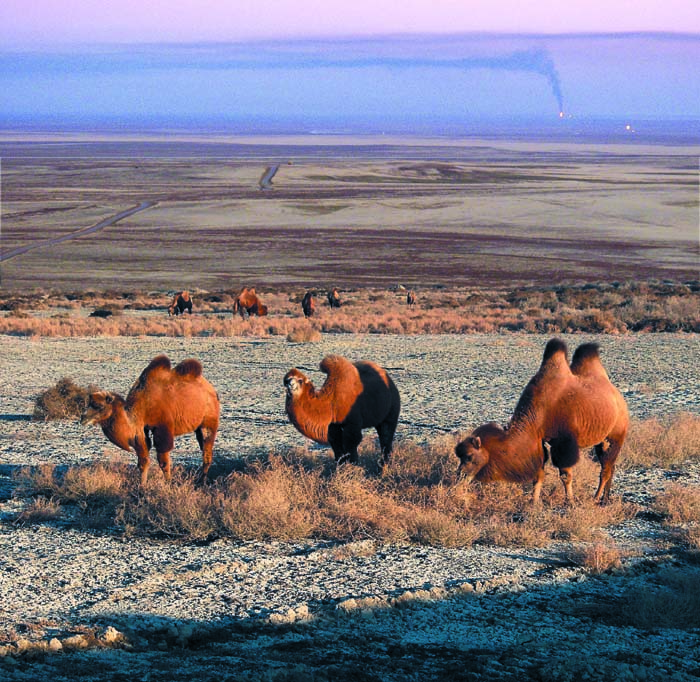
(566, 407)
(163, 403)
(181, 302)
(333, 298)
(308, 305)
(248, 303)
(354, 396)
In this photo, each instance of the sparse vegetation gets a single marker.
(65, 400)
(609, 308)
(662, 442)
(292, 496)
(680, 505)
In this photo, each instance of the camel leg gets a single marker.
(386, 431)
(335, 440)
(567, 479)
(141, 447)
(352, 437)
(607, 458)
(205, 437)
(537, 489)
(164, 442)
(565, 453)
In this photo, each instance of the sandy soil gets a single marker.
(420, 213)
(108, 609)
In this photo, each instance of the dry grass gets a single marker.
(680, 505)
(662, 442)
(65, 400)
(597, 557)
(306, 334)
(293, 496)
(668, 598)
(296, 494)
(600, 308)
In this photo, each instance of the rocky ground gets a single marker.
(77, 604)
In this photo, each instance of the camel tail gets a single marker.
(553, 347)
(189, 368)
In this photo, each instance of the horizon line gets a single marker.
(359, 37)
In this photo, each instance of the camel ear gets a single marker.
(475, 442)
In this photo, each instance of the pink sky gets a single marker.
(38, 22)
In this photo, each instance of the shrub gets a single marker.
(65, 400)
(662, 442)
(305, 334)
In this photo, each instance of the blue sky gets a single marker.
(414, 62)
(410, 79)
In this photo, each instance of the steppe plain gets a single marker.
(354, 213)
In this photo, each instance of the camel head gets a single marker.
(296, 383)
(100, 407)
(474, 451)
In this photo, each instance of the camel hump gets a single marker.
(189, 368)
(159, 362)
(586, 359)
(553, 347)
(335, 364)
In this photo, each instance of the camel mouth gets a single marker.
(463, 476)
(291, 384)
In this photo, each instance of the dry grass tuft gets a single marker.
(272, 501)
(680, 504)
(662, 442)
(307, 334)
(65, 400)
(597, 557)
(40, 510)
(667, 599)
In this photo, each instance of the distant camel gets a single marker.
(308, 304)
(567, 407)
(355, 396)
(248, 303)
(334, 298)
(181, 302)
(164, 403)
(411, 298)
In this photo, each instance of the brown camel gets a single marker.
(163, 403)
(308, 305)
(181, 302)
(248, 303)
(566, 407)
(334, 298)
(355, 396)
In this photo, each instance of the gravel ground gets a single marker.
(81, 605)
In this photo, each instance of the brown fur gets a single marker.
(308, 305)
(248, 303)
(355, 396)
(181, 302)
(567, 407)
(411, 298)
(334, 298)
(163, 402)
